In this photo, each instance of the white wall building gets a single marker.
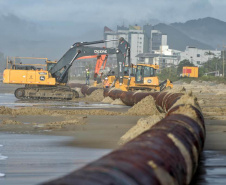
(136, 45)
(198, 56)
(134, 35)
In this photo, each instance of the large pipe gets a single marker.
(167, 153)
(91, 89)
(73, 85)
(115, 94)
(84, 89)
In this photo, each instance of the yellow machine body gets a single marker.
(32, 77)
(144, 78)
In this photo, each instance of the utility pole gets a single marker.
(223, 59)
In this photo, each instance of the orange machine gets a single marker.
(192, 72)
(50, 81)
(101, 60)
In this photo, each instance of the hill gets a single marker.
(208, 30)
(179, 40)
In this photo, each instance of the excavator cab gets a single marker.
(146, 74)
(143, 71)
(146, 79)
(50, 64)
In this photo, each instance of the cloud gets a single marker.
(36, 25)
(108, 11)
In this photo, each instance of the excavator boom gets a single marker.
(51, 83)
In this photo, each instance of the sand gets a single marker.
(207, 96)
(142, 125)
(145, 107)
(41, 111)
(103, 129)
(107, 100)
(95, 96)
(117, 102)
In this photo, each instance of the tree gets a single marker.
(182, 64)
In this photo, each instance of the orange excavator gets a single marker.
(51, 82)
(101, 61)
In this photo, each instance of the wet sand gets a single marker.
(104, 131)
(32, 159)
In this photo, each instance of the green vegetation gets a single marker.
(205, 74)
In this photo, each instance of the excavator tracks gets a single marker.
(61, 93)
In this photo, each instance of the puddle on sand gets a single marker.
(33, 159)
(212, 169)
(2, 158)
(10, 101)
(2, 175)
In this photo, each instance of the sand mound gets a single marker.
(61, 124)
(41, 111)
(221, 93)
(206, 90)
(79, 92)
(117, 102)
(96, 96)
(5, 110)
(11, 122)
(144, 107)
(201, 102)
(188, 99)
(107, 100)
(142, 125)
(179, 89)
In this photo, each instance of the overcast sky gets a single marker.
(83, 20)
(113, 11)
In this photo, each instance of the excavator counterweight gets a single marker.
(50, 81)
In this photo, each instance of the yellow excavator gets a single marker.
(141, 77)
(50, 82)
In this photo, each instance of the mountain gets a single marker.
(179, 40)
(51, 39)
(208, 30)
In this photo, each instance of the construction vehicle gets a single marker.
(140, 77)
(51, 82)
(145, 79)
(128, 71)
(100, 63)
(99, 67)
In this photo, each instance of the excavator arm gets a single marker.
(81, 49)
(101, 60)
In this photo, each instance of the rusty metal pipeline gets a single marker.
(127, 98)
(115, 94)
(140, 95)
(86, 90)
(106, 91)
(163, 100)
(73, 85)
(91, 89)
(168, 153)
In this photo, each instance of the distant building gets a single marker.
(159, 59)
(142, 41)
(134, 35)
(198, 56)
